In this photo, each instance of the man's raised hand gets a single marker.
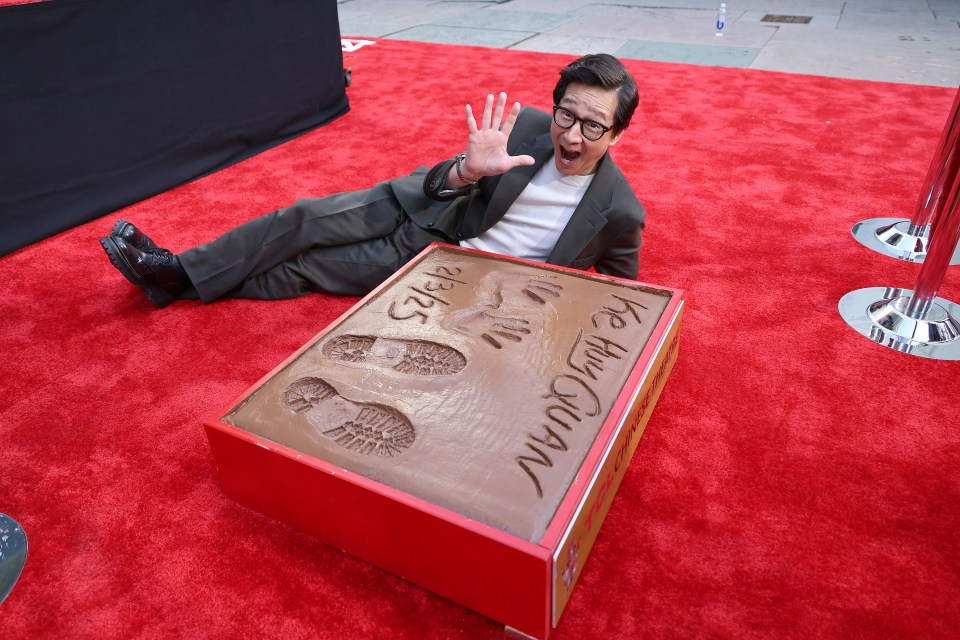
(487, 143)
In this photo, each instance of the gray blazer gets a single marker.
(604, 231)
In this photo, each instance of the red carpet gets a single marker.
(795, 481)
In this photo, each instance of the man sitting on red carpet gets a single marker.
(527, 186)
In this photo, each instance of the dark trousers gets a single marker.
(345, 244)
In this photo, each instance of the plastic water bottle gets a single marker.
(721, 18)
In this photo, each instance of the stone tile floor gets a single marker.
(908, 41)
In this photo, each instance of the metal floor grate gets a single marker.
(789, 19)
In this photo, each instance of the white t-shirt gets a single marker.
(534, 222)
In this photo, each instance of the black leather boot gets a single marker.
(158, 272)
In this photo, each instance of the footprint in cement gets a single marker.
(415, 357)
(365, 428)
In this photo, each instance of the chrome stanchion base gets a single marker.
(892, 237)
(878, 313)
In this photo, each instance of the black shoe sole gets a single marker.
(154, 293)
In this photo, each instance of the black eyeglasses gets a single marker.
(590, 129)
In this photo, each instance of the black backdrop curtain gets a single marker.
(106, 102)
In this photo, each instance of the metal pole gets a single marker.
(910, 239)
(933, 185)
(917, 322)
(945, 236)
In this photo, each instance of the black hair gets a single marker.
(602, 70)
